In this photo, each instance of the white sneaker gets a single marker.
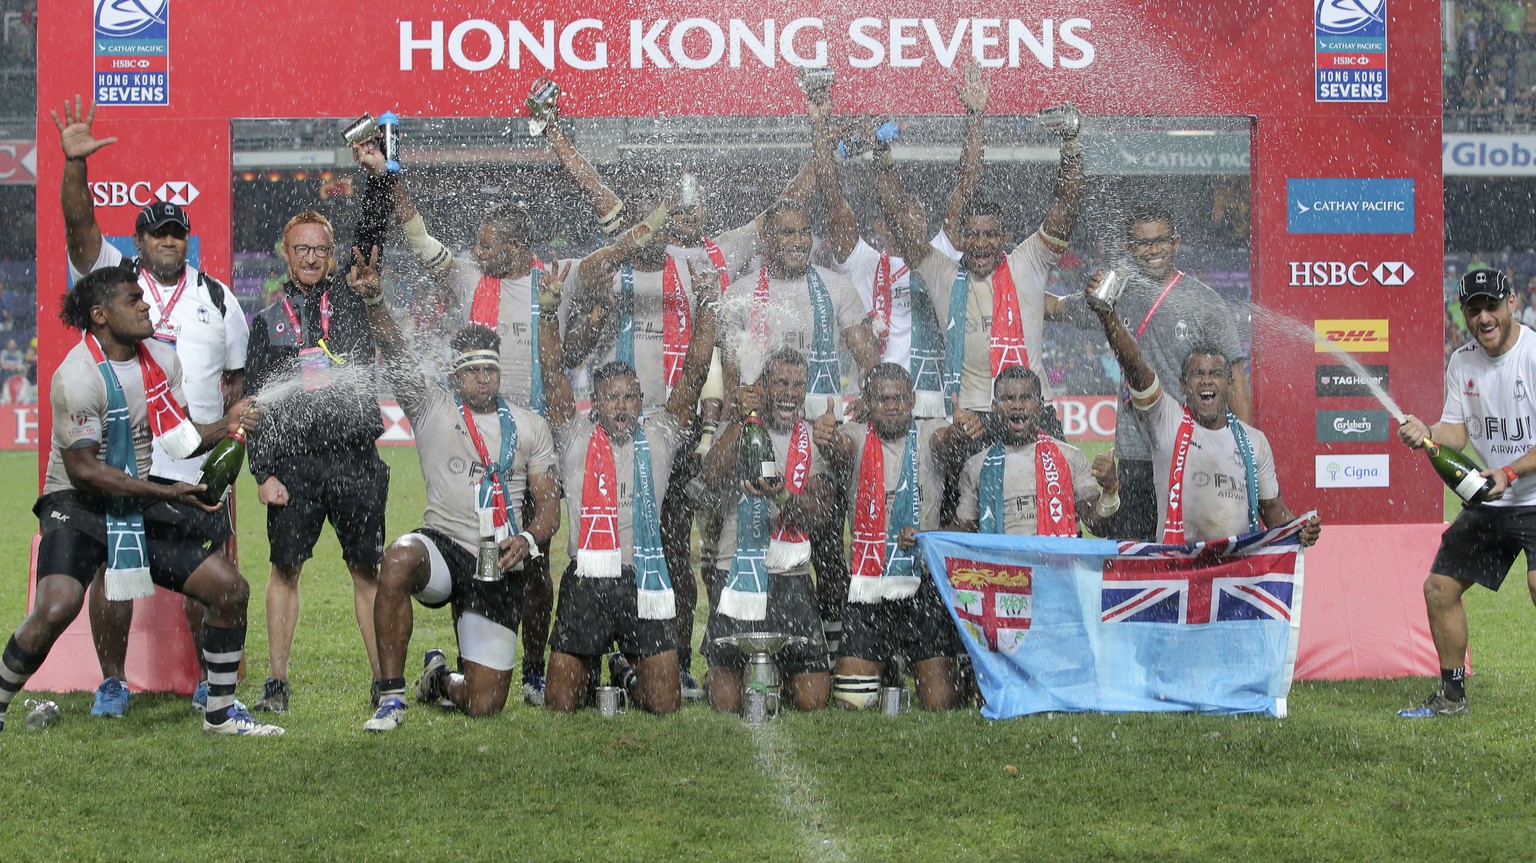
(390, 715)
(239, 722)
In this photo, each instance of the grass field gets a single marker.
(1342, 779)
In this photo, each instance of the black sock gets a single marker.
(393, 687)
(685, 658)
(16, 667)
(1453, 683)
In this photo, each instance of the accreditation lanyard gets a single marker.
(165, 329)
(1177, 277)
(325, 319)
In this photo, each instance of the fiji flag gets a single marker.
(1065, 624)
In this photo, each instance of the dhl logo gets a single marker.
(1364, 336)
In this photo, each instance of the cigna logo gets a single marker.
(1363, 335)
(1353, 471)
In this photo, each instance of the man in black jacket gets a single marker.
(311, 364)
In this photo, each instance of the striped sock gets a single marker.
(222, 649)
(16, 667)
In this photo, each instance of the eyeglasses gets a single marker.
(318, 251)
(1150, 242)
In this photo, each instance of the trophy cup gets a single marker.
(816, 80)
(542, 109)
(760, 683)
(361, 129)
(1107, 292)
(1064, 120)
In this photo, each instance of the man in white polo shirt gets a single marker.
(192, 312)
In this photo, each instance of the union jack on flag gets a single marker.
(1251, 577)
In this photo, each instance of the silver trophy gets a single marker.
(488, 567)
(361, 129)
(760, 683)
(40, 714)
(1107, 292)
(816, 80)
(542, 108)
(1064, 120)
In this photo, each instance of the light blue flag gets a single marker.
(1066, 624)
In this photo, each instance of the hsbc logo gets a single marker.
(113, 193)
(1337, 274)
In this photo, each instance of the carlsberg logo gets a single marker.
(1352, 426)
(1346, 426)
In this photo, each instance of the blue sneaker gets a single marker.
(434, 677)
(111, 699)
(389, 716)
(238, 722)
(200, 696)
(533, 688)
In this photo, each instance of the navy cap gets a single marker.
(159, 214)
(1483, 283)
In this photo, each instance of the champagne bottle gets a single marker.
(757, 459)
(222, 468)
(1459, 473)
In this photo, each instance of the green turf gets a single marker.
(1342, 779)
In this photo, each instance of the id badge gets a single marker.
(314, 368)
(166, 331)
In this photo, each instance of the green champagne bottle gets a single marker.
(757, 458)
(222, 468)
(1459, 473)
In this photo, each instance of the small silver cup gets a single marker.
(1107, 292)
(361, 129)
(895, 700)
(40, 714)
(487, 567)
(1064, 120)
(611, 701)
(542, 109)
(814, 80)
(755, 708)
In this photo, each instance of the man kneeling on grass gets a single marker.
(115, 393)
(615, 466)
(764, 551)
(479, 457)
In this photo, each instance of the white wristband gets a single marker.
(374, 300)
(533, 547)
(1143, 395)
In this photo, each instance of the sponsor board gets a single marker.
(1353, 471)
(1349, 205)
(1336, 381)
(481, 44)
(131, 44)
(1355, 335)
(142, 193)
(1369, 426)
(18, 162)
(1350, 50)
(1337, 274)
(1088, 417)
(1480, 155)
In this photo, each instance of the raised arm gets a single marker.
(399, 365)
(972, 90)
(433, 256)
(1061, 219)
(905, 219)
(559, 401)
(845, 226)
(1139, 376)
(82, 235)
(593, 301)
(684, 399)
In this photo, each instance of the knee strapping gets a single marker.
(859, 691)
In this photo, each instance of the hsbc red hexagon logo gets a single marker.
(1337, 274)
(179, 192)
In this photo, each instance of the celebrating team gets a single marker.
(688, 342)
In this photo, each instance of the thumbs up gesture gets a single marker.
(824, 431)
(966, 422)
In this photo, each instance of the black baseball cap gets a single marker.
(1484, 283)
(159, 214)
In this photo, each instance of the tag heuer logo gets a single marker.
(180, 192)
